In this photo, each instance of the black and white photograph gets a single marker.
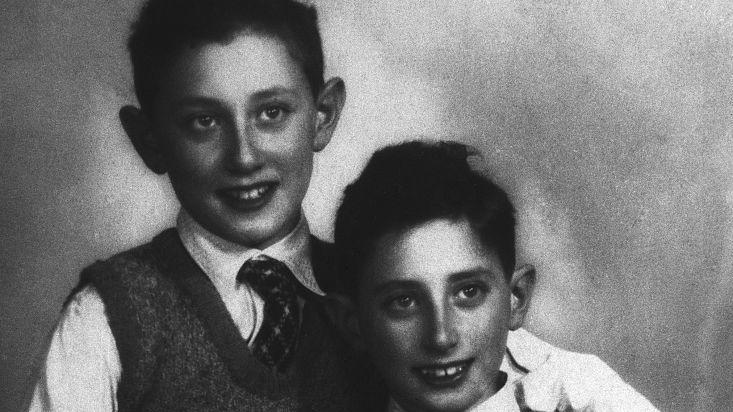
(378, 205)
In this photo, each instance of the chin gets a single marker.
(261, 234)
(438, 406)
(451, 405)
(444, 402)
(260, 229)
(254, 237)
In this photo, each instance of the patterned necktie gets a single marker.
(275, 342)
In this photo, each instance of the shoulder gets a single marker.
(527, 350)
(130, 287)
(81, 364)
(533, 353)
(155, 251)
(83, 315)
(136, 267)
(582, 379)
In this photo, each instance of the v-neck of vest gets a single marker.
(246, 370)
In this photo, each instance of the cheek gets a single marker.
(191, 160)
(390, 340)
(297, 138)
(296, 163)
(487, 329)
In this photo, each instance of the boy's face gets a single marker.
(434, 312)
(236, 126)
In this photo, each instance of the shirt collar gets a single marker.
(221, 259)
(529, 351)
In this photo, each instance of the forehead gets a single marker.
(430, 252)
(249, 63)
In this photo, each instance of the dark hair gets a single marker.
(166, 27)
(412, 183)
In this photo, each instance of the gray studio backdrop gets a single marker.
(608, 121)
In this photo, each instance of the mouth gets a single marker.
(249, 197)
(444, 374)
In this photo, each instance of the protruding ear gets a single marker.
(522, 286)
(329, 104)
(140, 131)
(342, 310)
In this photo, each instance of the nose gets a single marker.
(440, 333)
(242, 151)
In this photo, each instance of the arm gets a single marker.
(81, 370)
(578, 382)
(562, 380)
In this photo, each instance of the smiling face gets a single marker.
(434, 312)
(236, 126)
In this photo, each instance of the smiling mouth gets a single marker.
(248, 197)
(445, 374)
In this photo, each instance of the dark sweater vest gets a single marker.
(180, 350)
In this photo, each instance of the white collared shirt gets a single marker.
(550, 375)
(82, 367)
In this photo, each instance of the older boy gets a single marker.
(224, 312)
(426, 249)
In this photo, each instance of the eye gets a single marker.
(468, 292)
(404, 301)
(203, 122)
(471, 294)
(401, 304)
(272, 114)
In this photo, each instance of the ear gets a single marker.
(342, 310)
(522, 285)
(329, 104)
(139, 130)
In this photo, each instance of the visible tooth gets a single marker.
(251, 194)
(443, 372)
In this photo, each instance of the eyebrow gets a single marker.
(471, 273)
(395, 284)
(453, 277)
(258, 95)
(274, 92)
(197, 101)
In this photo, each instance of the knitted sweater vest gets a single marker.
(180, 349)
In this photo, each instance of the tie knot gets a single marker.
(264, 274)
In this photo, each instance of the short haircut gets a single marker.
(413, 183)
(165, 28)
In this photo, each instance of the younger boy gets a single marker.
(224, 312)
(425, 246)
